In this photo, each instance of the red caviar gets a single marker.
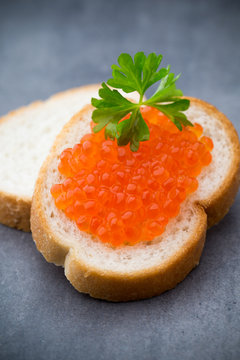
(124, 197)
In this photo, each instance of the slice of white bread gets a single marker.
(26, 136)
(146, 269)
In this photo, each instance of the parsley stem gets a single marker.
(133, 117)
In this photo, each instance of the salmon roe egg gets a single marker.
(124, 197)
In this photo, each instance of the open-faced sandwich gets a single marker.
(125, 196)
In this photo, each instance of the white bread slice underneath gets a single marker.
(26, 136)
(146, 269)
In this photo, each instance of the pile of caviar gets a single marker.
(124, 197)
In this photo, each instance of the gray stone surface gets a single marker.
(48, 46)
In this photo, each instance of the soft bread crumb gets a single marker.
(213, 175)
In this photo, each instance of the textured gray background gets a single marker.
(48, 46)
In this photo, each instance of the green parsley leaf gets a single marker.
(111, 108)
(137, 74)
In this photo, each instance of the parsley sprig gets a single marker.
(137, 74)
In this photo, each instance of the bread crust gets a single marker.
(14, 209)
(157, 279)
